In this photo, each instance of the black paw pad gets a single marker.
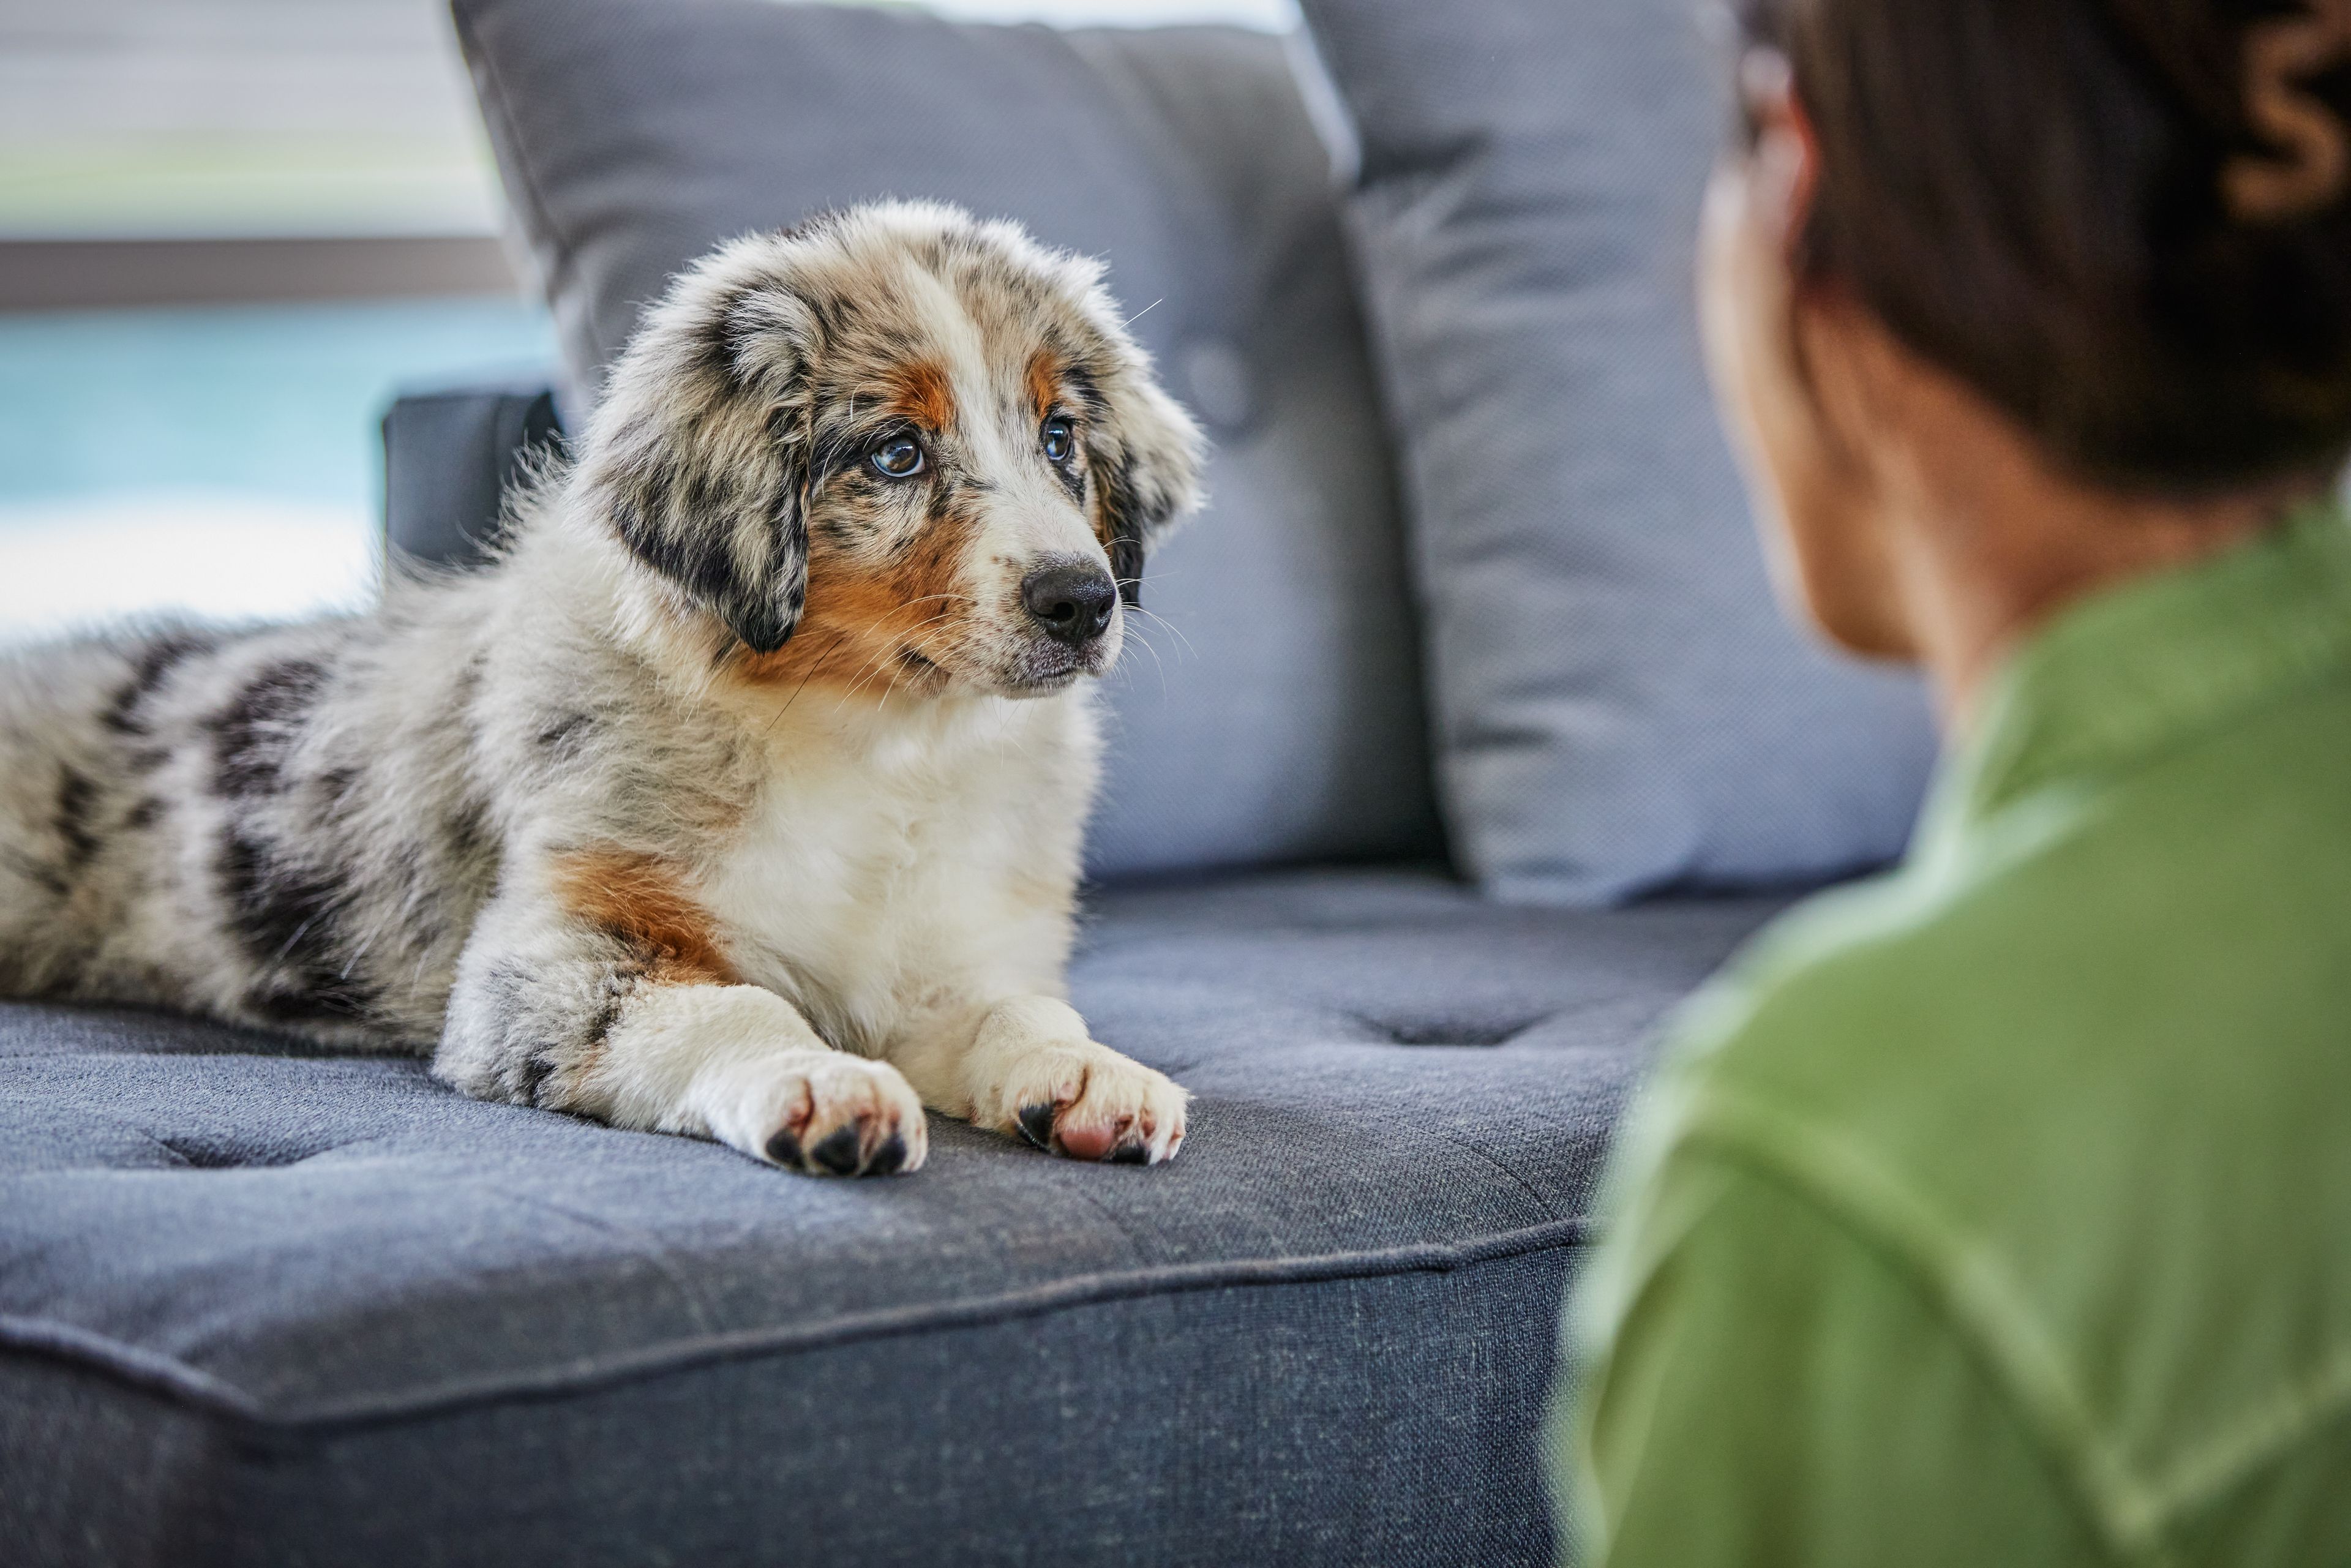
(1036, 1124)
(888, 1158)
(785, 1150)
(1131, 1155)
(838, 1153)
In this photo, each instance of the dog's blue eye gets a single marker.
(900, 457)
(1061, 440)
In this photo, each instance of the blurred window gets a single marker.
(229, 229)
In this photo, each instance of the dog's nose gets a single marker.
(1071, 603)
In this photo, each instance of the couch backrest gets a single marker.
(1275, 714)
(1620, 706)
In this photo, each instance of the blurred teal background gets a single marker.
(219, 458)
(277, 400)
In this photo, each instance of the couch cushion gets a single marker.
(1619, 704)
(1275, 712)
(256, 1306)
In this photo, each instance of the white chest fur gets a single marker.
(910, 858)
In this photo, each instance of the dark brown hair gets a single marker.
(2032, 194)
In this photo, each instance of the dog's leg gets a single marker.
(611, 1000)
(1027, 1067)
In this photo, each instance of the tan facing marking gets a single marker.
(919, 392)
(1044, 379)
(860, 614)
(639, 900)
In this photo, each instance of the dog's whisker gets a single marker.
(1157, 662)
(1173, 630)
(881, 661)
(788, 701)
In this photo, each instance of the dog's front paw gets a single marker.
(829, 1113)
(1087, 1101)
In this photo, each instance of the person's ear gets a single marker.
(1779, 349)
(1785, 171)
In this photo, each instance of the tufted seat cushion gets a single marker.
(261, 1307)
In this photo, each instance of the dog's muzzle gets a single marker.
(1070, 603)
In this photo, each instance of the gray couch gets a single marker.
(264, 1307)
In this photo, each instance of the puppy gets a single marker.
(741, 798)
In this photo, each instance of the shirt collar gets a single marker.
(2133, 671)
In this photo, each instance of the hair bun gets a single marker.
(2310, 165)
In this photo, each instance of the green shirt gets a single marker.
(1999, 1211)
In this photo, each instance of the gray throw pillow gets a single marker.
(1619, 706)
(1276, 713)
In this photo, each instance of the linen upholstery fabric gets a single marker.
(260, 1307)
(1275, 714)
(1619, 704)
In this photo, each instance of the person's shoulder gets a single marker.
(2103, 990)
(1806, 1012)
(1786, 1052)
(2081, 1083)
(2140, 926)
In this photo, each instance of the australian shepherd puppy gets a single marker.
(741, 798)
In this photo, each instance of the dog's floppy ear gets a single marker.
(698, 456)
(1145, 453)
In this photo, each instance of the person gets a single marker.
(1999, 1210)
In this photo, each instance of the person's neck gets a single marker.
(1989, 544)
